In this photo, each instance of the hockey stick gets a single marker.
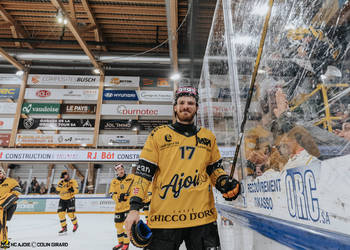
(251, 89)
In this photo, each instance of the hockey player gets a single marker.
(9, 192)
(182, 163)
(119, 191)
(67, 189)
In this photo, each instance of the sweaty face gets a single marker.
(185, 109)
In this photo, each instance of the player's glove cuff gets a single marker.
(136, 203)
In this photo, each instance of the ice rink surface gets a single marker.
(96, 232)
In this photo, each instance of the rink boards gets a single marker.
(300, 205)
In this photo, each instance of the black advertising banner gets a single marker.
(53, 124)
(146, 125)
(78, 109)
(155, 82)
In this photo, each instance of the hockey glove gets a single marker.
(230, 189)
(122, 197)
(141, 234)
(71, 189)
(8, 200)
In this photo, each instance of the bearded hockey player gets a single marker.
(182, 163)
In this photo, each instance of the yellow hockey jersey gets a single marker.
(119, 186)
(184, 169)
(7, 187)
(63, 189)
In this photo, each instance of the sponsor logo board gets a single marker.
(122, 81)
(40, 108)
(122, 140)
(54, 139)
(130, 109)
(155, 82)
(4, 139)
(54, 124)
(134, 125)
(157, 96)
(10, 79)
(78, 108)
(6, 123)
(8, 107)
(11, 93)
(120, 95)
(75, 80)
(61, 94)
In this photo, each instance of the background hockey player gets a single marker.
(67, 189)
(183, 164)
(119, 191)
(9, 192)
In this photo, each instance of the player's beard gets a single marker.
(182, 117)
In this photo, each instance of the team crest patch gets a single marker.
(136, 190)
(168, 138)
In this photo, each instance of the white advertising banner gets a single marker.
(122, 81)
(314, 195)
(6, 123)
(156, 96)
(122, 140)
(74, 80)
(83, 155)
(10, 79)
(61, 94)
(83, 203)
(8, 107)
(131, 109)
(54, 139)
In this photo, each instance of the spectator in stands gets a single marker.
(33, 184)
(53, 189)
(20, 182)
(43, 189)
(36, 188)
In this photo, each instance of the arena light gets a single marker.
(175, 76)
(20, 73)
(96, 71)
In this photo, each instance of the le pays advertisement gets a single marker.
(56, 108)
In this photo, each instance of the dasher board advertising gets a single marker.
(132, 125)
(54, 140)
(122, 140)
(8, 108)
(133, 110)
(68, 80)
(10, 79)
(156, 96)
(78, 108)
(4, 140)
(119, 95)
(155, 82)
(69, 155)
(11, 93)
(40, 108)
(54, 124)
(122, 81)
(6, 123)
(61, 94)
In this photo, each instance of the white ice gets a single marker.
(97, 232)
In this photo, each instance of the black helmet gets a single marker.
(186, 91)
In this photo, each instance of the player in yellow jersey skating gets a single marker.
(67, 189)
(119, 191)
(183, 164)
(9, 192)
